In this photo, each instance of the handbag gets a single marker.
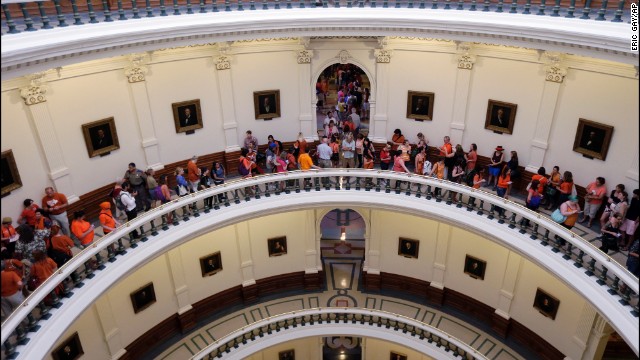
(551, 191)
(558, 217)
(182, 190)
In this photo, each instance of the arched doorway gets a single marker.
(342, 250)
(346, 81)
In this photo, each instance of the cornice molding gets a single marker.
(26, 52)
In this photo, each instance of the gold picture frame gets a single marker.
(592, 139)
(187, 116)
(420, 105)
(501, 116)
(70, 349)
(211, 264)
(10, 177)
(397, 356)
(143, 297)
(101, 137)
(408, 248)
(266, 104)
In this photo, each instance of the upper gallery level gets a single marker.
(45, 35)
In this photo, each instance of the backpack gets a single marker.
(469, 178)
(119, 204)
(243, 169)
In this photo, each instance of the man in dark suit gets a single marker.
(101, 139)
(420, 108)
(592, 142)
(187, 118)
(266, 107)
(500, 119)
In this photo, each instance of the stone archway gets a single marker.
(351, 81)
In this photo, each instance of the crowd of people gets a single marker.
(43, 237)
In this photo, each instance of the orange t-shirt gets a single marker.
(543, 181)
(78, 227)
(503, 182)
(106, 219)
(305, 161)
(56, 200)
(566, 187)
(10, 283)
(62, 243)
(192, 171)
(43, 269)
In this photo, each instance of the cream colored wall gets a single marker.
(306, 348)
(292, 225)
(78, 94)
(380, 349)
(90, 334)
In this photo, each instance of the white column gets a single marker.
(225, 89)
(372, 258)
(174, 258)
(136, 77)
(109, 327)
(583, 330)
(380, 111)
(440, 260)
(312, 243)
(598, 338)
(36, 101)
(632, 173)
(555, 74)
(243, 241)
(306, 94)
(514, 262)
(461, 92)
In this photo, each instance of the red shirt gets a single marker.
(29, 214)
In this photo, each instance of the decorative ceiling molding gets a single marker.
(344, 56)
(555, 71)
(465, 59)
(26, 53)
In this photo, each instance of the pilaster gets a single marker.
(465, 61)
(440, 259)
(598, 337)
(243, 242)
(312, 242)
(379, 113)
(305, 91)
(222, 62)
(555, 72)
(136, 77)
(583, 330)
(109, 327)
(501, 317)
(35, 98)
(179, 280)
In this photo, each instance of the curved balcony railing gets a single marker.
(583, 267)
(439, 343)
(43, 15)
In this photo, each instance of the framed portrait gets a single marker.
(500, 117)
(100, 137)
(592, 139)
(287, 355)
(420, 105)
(408, 248)
(187, 116)
(277, 246)
(70, 349)
(211, 264)
(397, 356)
(546, 304)
(266, 104)
(9, 173)
(143, 298)
(474, 267)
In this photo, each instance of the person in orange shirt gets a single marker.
(61, 245)
(42, 268)
(193, 173)
(11, 290)
(502, 189)
(542, 179)
(56, 204)
(9, 235)
(107, 221)
(82, 229)
(28, 215)
(305, 162)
